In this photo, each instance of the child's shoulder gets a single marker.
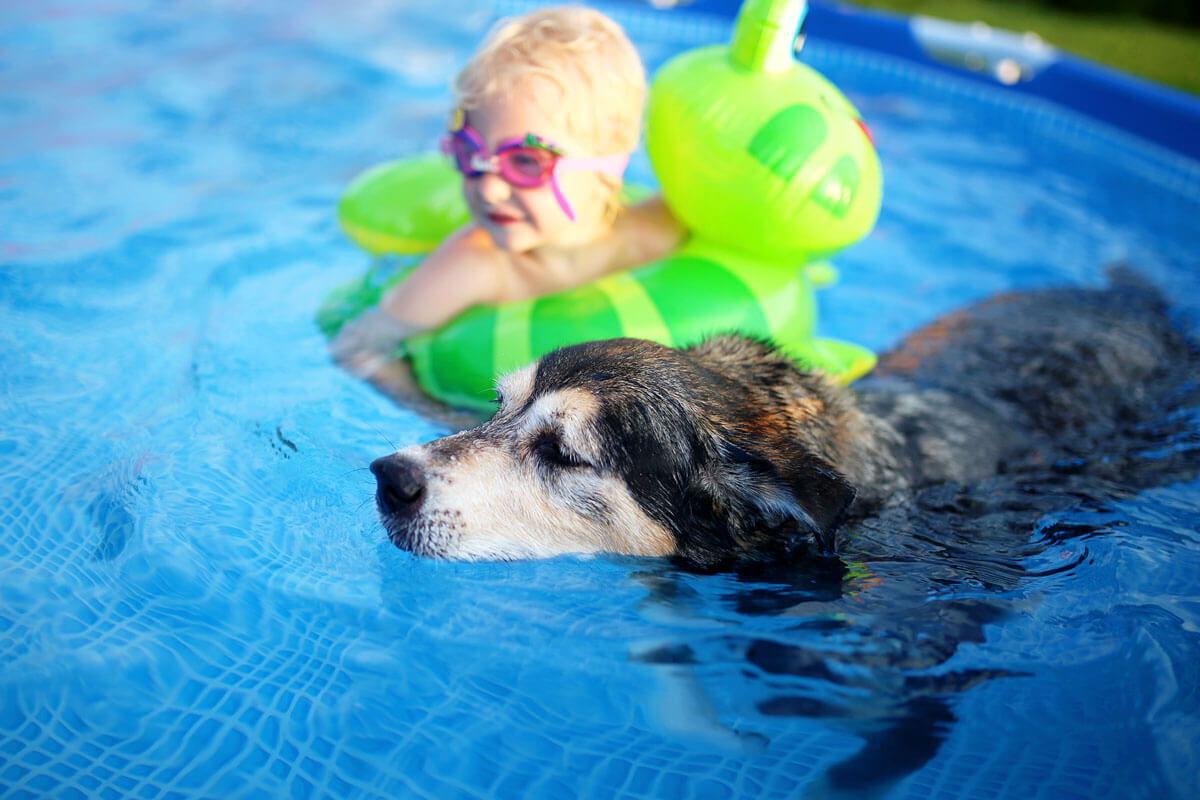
(648, 231)
(469, 249)
(465, 265)
(469, 240)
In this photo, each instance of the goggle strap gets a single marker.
(562, 200)
(614, 164)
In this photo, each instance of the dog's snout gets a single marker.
(401, 486)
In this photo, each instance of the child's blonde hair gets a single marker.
(581, 51)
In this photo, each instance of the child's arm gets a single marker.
(462, 272)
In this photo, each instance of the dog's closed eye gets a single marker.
(549, 449)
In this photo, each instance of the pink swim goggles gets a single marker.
(528, 162)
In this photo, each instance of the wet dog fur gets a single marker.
(726, 452)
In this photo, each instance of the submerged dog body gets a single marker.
(725, 451)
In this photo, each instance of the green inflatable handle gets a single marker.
(764, 35)
(405, 207)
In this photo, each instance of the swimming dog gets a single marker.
(727, 452)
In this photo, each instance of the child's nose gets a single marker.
(493, 188)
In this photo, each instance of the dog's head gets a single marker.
(713, 454)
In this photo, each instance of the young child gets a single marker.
(548, 111)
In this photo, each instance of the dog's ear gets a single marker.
(825, 496)
(746, 506)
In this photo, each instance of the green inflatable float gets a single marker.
(764, 160)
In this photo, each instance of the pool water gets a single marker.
(196, 598)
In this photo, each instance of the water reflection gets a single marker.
(872, 641)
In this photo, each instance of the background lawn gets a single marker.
(1164, 52)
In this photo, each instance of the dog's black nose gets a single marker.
(401, 487)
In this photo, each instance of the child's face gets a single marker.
(517, 219)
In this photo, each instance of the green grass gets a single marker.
(1162, 53)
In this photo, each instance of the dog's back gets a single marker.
(1065, 362)
(1028, 377)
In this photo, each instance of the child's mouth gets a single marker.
(500, 218)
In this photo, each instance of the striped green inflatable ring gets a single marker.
(700, 290)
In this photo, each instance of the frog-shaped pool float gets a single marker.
(763, 159)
